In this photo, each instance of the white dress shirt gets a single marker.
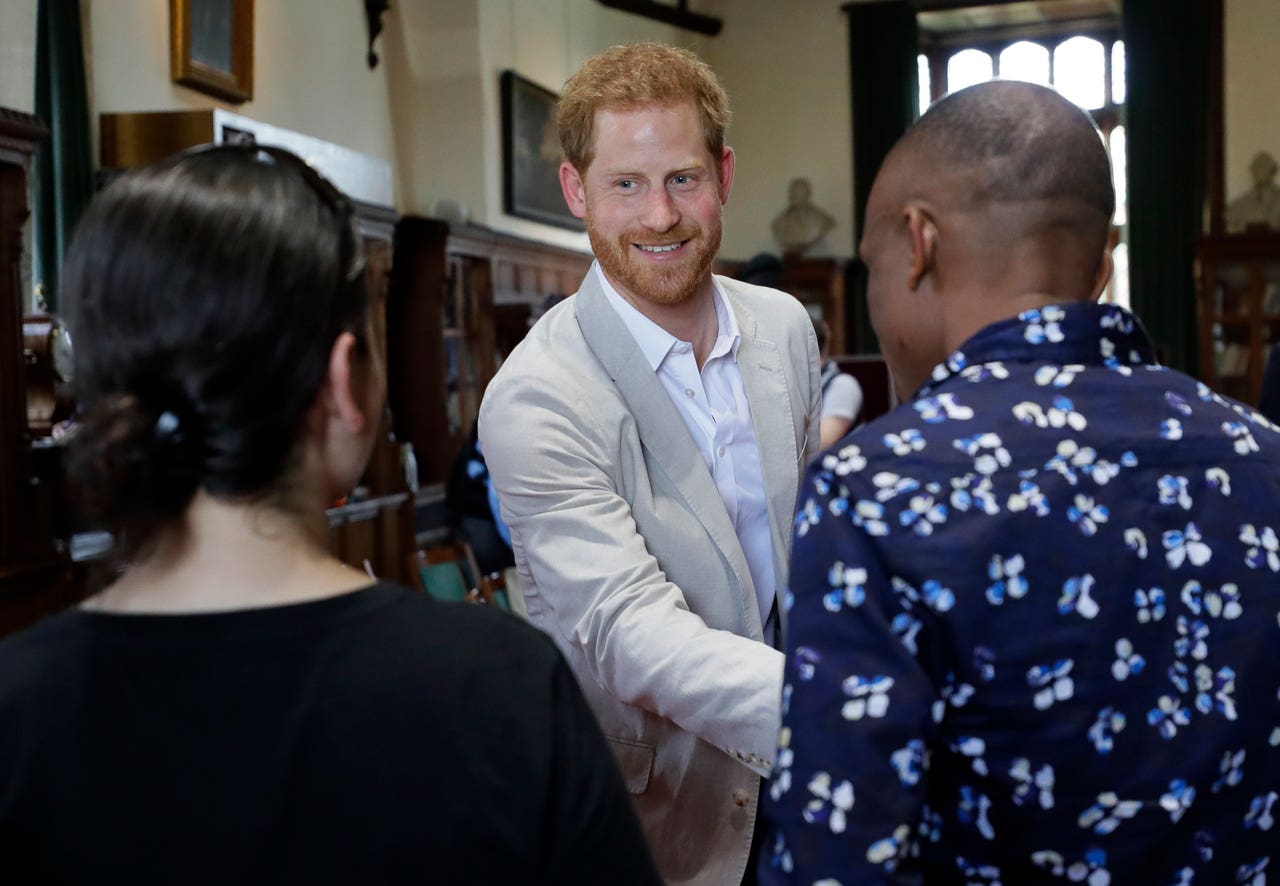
(713, 404)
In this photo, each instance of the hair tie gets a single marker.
(167, 426)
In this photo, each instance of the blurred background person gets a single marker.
(469, 497)
(841, 393)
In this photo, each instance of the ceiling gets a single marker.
(1026, 13)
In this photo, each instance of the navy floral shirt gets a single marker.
(1034, 630)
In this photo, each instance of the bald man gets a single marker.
(1034, 610)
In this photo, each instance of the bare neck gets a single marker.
(226, 556)
(693, 320)
(1022, 275)
(984, 313)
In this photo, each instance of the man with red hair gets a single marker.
(645, 441)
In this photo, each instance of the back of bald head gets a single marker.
(1004, 143)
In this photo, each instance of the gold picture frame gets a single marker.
(211, 46)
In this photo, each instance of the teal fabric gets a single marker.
(64, 165)
(1167, 62)
(885, 87)
(443, 582)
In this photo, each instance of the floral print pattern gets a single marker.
(1033, 623)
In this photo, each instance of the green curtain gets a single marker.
(1167, 58)
(64, 167)
(885, 92)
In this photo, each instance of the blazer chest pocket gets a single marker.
(635, 762)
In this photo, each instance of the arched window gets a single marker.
(967, 67)
(1079, 72)
(1117, 73)
(1118, 291)
(1119, 176)
(922, 66)
(1025, 61)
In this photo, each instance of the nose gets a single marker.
(660, 212)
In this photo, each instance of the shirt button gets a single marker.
(720, 452)
(740, 797)
(688, 392)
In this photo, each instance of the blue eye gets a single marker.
(627, 184)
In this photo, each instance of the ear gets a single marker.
(726, 173)
(1103, 276)
(923, 236)
(345, 385)
(575, 191)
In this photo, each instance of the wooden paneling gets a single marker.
(821, 282)
(1238, 310)
(376, 534)
(127, 140)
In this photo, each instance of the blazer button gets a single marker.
(740, 797)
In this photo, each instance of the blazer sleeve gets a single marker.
(813, 420)
(555, 467)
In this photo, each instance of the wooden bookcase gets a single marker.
(820, 283)
(1238, 310)
(35, 572)
(462, 296)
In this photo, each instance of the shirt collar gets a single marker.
(830, 370)
(1085, 333)
(654, 341)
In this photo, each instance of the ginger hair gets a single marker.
(638, 75)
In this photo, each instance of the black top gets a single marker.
(373, 737)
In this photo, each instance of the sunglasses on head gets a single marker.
(330, 196)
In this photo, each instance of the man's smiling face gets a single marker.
(652, 198)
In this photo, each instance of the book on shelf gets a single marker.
(1271, 299)
(1233, 360)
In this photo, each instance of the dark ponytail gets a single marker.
(204, 295)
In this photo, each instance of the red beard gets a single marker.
(659, 283)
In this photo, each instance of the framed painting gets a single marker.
(211, 46)
(531, 154)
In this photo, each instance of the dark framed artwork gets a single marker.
(531, 154)
(211, 46)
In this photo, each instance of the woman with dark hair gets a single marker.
(237, 705)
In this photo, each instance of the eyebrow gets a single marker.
(687, 169)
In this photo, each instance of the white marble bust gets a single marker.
(801, 224)
(1261, 204)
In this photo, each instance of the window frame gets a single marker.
(938, 48)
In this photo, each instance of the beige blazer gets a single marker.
(628, 559)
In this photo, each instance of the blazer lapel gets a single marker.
(765, 383)
(663, 432)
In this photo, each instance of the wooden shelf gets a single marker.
(820, 282)
(462, 297)
(1234, 345)
(36, 577)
